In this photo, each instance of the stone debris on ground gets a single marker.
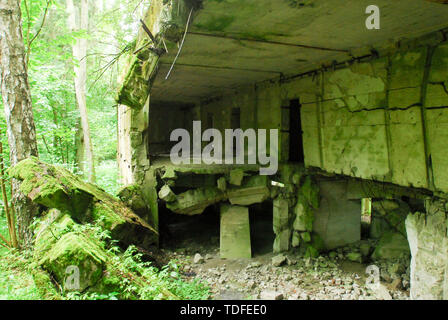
(291, 276)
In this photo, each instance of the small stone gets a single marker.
(271, 295)
(396, 284)
(208, 256)
(354, 257)
(278, 260)
(198, 258)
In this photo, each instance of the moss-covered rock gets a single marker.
(57, 247)
(79, 251)
(56, 187)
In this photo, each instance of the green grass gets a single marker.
(15, 282)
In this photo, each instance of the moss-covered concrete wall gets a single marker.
(385, 119)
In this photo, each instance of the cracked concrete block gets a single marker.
(195, 201)
(166, 194)
(429, 251)
(235, 232)
(253, 190)
(282, 241)
(236, 177)
(295, 239)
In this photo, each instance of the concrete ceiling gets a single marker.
(240, 42)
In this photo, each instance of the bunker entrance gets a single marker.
(261, 228)
(191, 234)
(291, 132)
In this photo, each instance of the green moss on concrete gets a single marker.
(77, 250)
(56, 187)
(391, 246)
(195, 201)
(216, 24)
(107, 218)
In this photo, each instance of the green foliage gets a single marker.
(131, 277)
(113, 25)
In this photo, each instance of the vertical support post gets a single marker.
(235, 232)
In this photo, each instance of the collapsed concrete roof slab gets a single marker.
(235, 43)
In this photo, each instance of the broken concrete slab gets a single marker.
(236, 176)
(295, 239)
(253, 190)
(58, 247)
(195, 201)
(55, 187)
(235, 232)
(278, 260)
(166, 194)
(132, 196)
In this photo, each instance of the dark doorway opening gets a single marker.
(295, 132)
(235, 124)
(198, 233)
(261, 228)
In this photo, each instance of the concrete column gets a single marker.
(428, 241)
(235, 232)
(281, 225)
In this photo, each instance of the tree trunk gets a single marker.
(79, 149)
(79, 53)
(17, 102)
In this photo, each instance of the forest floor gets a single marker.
(195, 243)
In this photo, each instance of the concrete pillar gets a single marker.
(235, 232)
(281, 225)
(428, 241)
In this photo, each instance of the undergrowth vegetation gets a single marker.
(22, 279)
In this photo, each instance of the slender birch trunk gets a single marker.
(79, 53)
(18, 110)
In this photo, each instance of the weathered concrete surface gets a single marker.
(338, 220)
(392, 246)
(281, 225)
(235, 232)
(56, 187)
(428, 242)
(195, 201)
(253, 190)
